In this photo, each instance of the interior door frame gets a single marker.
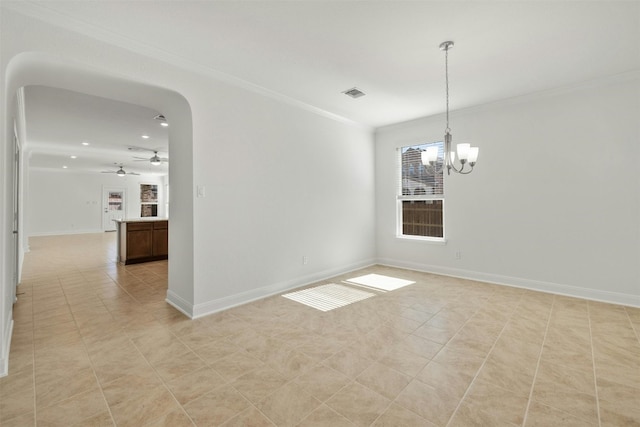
(17, 150)
(105, 203)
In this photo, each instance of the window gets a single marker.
(148, 200)
(420, 194)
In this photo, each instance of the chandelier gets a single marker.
(466, 154)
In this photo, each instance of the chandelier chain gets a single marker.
(446, 73)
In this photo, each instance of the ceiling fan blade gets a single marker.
(134, 148)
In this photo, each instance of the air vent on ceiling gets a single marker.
(160, 117)
(354, 92)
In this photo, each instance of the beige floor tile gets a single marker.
(384, 380)
(288, 405)
(420, 346)
(179, 365)
(540, 415)
(512, 374)
(322, 382)
(325, 416)
(130, 386)
(359, 404)
(195, 384)
(349, 363)
(23, 420)
(216, 350)
(440, 376)
(119, 364)
(102, 419)
(259, 383)
(16, 395)
(404, 361)
(566, 378)
(490, 405)
(466, 363)
(479, 347)
(581, 405)
(73, 410)
(236, 365)
(397, 416)
(217, 406)
(82, 318)
(618, 402)
(433, 404)
(621, 374)
(250, 417)
(322, 349)
(175, 418)
(292, 364)
(573, 357)
(441, 336)
(155, 403)
(52, 387)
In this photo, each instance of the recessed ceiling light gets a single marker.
(64, 167)
(145, 136)
(85, 143)
(165, 124)
(74, 157)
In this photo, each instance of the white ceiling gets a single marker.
(311, 51)
(59, 121)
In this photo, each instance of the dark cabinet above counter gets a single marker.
(142, 240)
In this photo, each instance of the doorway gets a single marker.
(35, 68)
(113, 207)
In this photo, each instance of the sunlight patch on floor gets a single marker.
(328, 297)
(378, 281)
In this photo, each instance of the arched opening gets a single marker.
(39, 69)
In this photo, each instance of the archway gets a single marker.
(41, 69)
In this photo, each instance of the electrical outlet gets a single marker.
(458, 255)
(305, 260)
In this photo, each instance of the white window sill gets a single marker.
(429, 240)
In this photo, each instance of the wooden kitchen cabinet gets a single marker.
(160, 238)
(142, 240)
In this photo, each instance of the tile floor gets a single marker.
(95, 345)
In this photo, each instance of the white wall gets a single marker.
(65, 203)
(281, 183)
(310, 190)
(554, 202)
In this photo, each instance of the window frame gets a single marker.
(400, 198)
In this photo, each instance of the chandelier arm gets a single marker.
(462, 168)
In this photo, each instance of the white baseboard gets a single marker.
(214, 306)
(65, 232)
(6, 346)
(517, 282)
(180, 304)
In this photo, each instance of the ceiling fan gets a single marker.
(154, 160)
(121, 172)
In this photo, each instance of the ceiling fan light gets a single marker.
(155, 161)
